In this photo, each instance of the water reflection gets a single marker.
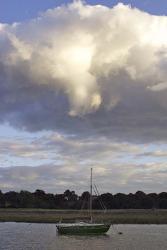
(25, 236)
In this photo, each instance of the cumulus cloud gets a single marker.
(81, 68)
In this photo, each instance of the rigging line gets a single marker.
(84, 207)
(104, 207)
(98, 197)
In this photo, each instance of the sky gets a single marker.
(83, 85)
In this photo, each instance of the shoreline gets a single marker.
(123, 216)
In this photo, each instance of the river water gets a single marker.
(26, 236)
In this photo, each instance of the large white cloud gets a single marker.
(78, 63)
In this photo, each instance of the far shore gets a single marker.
(123, 216)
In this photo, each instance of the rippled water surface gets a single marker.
(24, 236)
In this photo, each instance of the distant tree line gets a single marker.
(70, 200)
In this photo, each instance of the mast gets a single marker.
(90, 208)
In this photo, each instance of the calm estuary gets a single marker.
(26, 236)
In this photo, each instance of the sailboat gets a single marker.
(83, 228)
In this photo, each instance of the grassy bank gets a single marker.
(113, 216)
